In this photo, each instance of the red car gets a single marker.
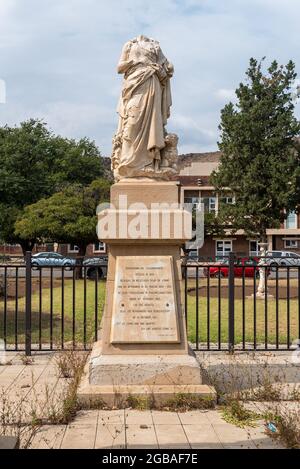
(249, 266)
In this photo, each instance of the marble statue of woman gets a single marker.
(141, 140)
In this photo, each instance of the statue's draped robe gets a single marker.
(144, 105)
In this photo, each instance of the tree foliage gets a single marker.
(68, 216)
(34, 164)
(260, 160)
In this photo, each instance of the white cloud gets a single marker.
(58, 58)
(224, 94)
(2, 92)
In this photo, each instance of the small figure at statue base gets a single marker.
(163, 166)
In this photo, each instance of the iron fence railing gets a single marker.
(52, 307)
(55, 308)
(227, 310)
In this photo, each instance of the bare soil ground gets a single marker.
(35, 285)
(283, 291)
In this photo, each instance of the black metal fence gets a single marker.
(55, 308)
(226, 309)
(50, 307)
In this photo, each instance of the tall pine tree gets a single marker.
(260, 160)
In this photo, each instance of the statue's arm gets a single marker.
(170, 69)
(163, 61)
(124, 62)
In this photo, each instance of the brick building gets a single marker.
(195, 170)
(71, 250)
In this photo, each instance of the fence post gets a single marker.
(28, 305)
(231, 303)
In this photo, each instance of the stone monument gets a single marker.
(143, 348)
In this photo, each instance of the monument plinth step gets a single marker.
(113, 379)
(144, 370)
(156, 395)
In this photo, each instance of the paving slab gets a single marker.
(230, 435)
(140, 436)
(89, 417)
(214, 416)
(79, 436)
(202, 436)
(110, 436)
(171, 436)
(13, 370)
(9, 442)
(195, 417)
(112, 416)
(160, 417)
(138, 417)
(249, 445)
(261, 440)
(48, 437)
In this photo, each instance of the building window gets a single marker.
(253, 248)
(290, 243)
(73, 248)
(195, 201)
(291, 221)
(192, 197)
(227, 200)
(99, 247)
(209, 204)
(223, 248)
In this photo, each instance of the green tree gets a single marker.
(260, 160)
(68, 216)
(34, 163)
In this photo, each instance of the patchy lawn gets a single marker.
(76, 308)
(263, 317)
(80, 308)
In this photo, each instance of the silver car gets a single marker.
(284, 258)
(52, 259)
(96, 266)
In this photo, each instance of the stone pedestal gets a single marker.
(143, 347)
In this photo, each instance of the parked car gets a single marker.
(94, 264)
(5, 259)
(52, 259)
(191, 257)
(285, 258)
(249, 266)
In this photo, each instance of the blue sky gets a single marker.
(59, 57)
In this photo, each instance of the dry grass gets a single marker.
(15, 421)
(287, 424)
(23, 417)
(70, 366)
(251, 393)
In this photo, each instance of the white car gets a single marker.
(284, 258)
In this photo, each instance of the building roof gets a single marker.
(196, 168)
(189, 158)
(200, 181)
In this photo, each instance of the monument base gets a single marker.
(261, 296)
(144, 350)
(115, 380)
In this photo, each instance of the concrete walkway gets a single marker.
(39, 386)
(151, 429)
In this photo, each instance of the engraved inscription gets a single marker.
(144, 304)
